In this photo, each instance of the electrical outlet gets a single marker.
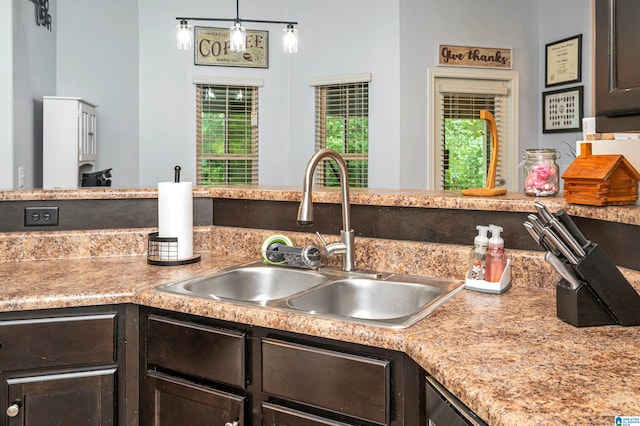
(41, 216)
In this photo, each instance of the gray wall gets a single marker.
(98, 61)
(121, 55)
(6, 100)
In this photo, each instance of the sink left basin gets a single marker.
(256, 283)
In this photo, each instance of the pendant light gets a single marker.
(184, 35)
(237, 33)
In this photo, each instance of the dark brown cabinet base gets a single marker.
(69, 366)
(286, 378)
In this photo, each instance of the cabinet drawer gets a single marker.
(348, 384)
(57, 341)
(275, 415)
(197, 350)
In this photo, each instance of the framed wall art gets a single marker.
(562, 110)
(563, 61)
(212, 48)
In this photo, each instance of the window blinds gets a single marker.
(342, 124)
(226, 134)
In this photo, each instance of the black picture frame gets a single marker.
(563, 61)
(562, 110)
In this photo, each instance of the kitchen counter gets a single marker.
(507, 357)
(512, 201)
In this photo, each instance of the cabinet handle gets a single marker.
(13, 409)
(234, 423)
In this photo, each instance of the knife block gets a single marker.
(604, 296)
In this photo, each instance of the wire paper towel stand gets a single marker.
(163, 251)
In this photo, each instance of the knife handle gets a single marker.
(573, 229)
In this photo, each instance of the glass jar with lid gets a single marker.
(541, 172)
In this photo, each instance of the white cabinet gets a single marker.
(69, 141)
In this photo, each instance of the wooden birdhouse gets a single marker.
(600, 180)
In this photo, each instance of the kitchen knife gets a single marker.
(572, 228)
(561, 246)
(532, 229)
(563, 269)
(566, 237)
(545, 215)
(535, 221)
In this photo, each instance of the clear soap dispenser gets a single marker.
(496, 260)
(479, 254)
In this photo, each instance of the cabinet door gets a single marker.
(175, 402)
(63, 399)
(617, 65)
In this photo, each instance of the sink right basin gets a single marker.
(391, 302)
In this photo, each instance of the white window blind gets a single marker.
(226, 134)
(464, 145)
(342, 124)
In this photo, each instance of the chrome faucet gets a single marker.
(305, 211)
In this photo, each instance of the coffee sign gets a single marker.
(212, 47)
(467, 56)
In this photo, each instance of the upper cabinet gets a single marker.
(617, 65)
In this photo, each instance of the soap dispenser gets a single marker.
(496, 260)
(479, 254)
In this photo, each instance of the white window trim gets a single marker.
(513, 80)
(226, 81)
(341, 79)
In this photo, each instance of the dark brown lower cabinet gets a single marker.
(176, 401)
(81, 398)
(68, 366)
(198, 371)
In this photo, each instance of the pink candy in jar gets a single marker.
(541, 173)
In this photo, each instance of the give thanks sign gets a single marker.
(468, 56)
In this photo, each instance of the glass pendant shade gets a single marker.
(184, 35)
(290, 39)
(238, 38)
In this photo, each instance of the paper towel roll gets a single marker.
(175, 215)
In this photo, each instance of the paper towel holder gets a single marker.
(163, 251)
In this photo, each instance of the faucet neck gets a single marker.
(307, 183)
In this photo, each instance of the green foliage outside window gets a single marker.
(215, 141)
(356, 136)
(466, 146)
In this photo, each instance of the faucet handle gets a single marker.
(321, 238)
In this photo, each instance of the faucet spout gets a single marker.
(305, 211)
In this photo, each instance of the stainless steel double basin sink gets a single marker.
(379, 299)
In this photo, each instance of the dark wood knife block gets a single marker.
(604, 296)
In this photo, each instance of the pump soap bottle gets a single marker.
(479, 254)
(496, 260)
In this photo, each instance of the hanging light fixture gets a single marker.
(237, 38)
(185, 35)
(237, 33)
(290, 39)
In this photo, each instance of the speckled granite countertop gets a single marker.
(506, 356)
(512, 201)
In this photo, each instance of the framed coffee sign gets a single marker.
(212, 48)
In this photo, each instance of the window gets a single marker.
(226, 134)
(462, 141)
(342, 124)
